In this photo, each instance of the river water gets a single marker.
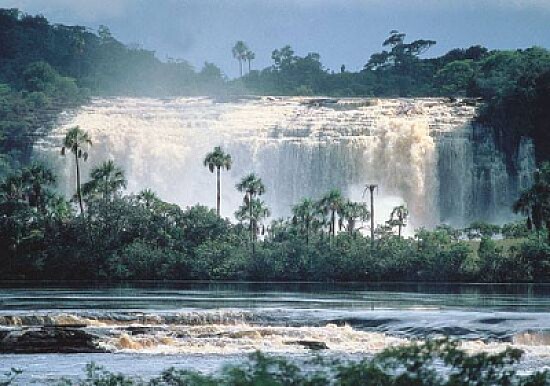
(146, 328)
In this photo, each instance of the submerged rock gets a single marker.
(48, 340)
(310, 344)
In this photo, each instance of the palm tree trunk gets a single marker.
(218, 196)
(78, 192)
(399, 231)
(372, 215)
(241, 66)
(251, 221)
(249, 65)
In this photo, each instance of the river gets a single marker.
(146, 327)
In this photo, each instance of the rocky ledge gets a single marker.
(47, 340)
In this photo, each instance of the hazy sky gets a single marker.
(342, 31)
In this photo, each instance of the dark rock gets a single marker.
(48, 340)
(310, 344)
(143, 330)
(492, 320)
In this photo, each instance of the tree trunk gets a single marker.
(372, 215)
(399, 231)
(251, 221)
(241, 66)
(249, 66)
(218, 196)
(78, 192)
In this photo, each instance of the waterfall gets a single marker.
(421, 152)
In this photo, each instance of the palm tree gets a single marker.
(535, 201)
(331, 204)
(371, 188)
(253, 212)
(239, 51)
(351, 212)
(77, 141)
(218, 160)
(36, 177)
(305, 213)
(249, 56)
(106, 181)
(251, 186)
(398, 218)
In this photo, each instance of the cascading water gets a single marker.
(421, 152)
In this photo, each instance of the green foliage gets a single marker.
(456, 77)
(515, 230)
(140, 237)
(537, 256)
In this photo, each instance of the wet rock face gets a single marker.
(47, 340)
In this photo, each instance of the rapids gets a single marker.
(232, 332)
(203, 326)
(426, 153)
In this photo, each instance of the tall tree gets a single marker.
(252, 186)
(401, 54)
(77, 141)
(371, 188)
(239, 51)
(218, 160)
(331, 204)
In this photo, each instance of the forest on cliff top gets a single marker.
(46, 67)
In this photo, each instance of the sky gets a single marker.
(341, 31)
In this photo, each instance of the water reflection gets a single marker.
(208, 295)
